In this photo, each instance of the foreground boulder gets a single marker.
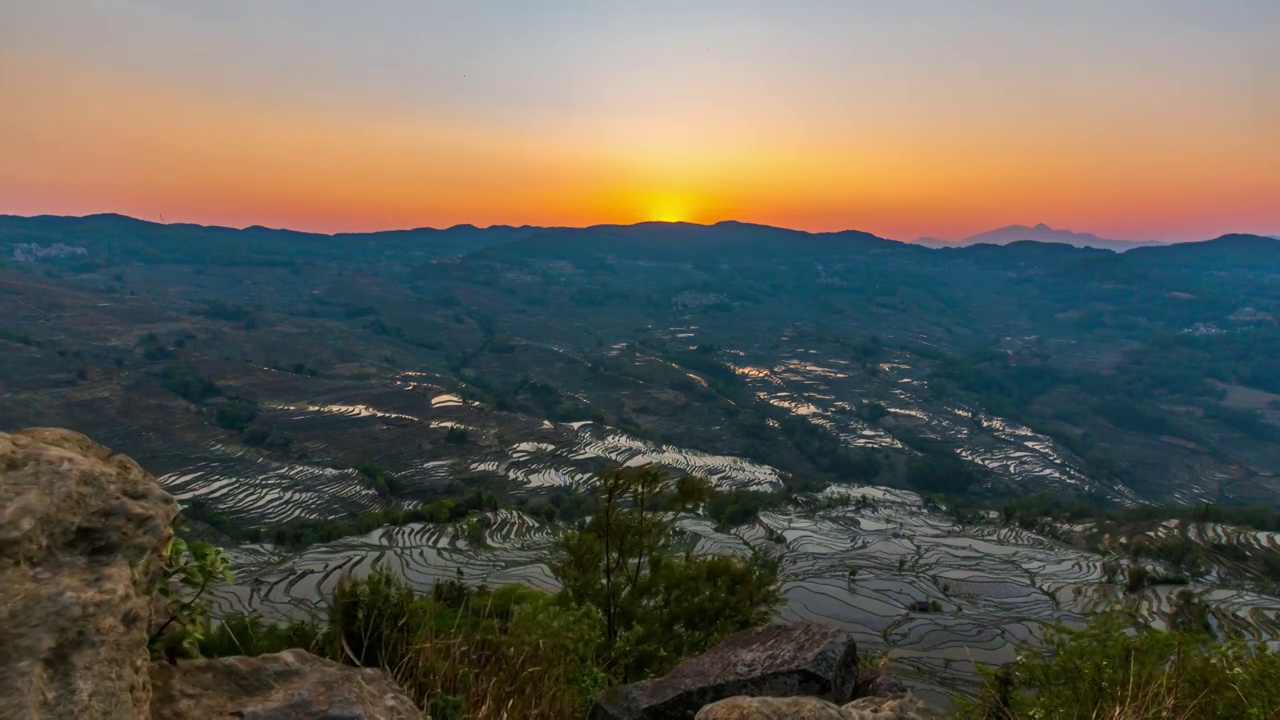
(902, 706)
(292, 685)
(788, 660)
(82, 530)
(768, 708)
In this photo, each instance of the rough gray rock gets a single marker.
(900, 706)
(292, 685)
(768, 708)
(788, 660)
(623, 702)
(82, 539)
(81, 535)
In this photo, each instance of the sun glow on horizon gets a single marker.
(668, 208)
(821, 115)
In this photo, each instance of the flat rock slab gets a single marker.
(292, 685)
(767, 708)
(902, 706)
(786, 660)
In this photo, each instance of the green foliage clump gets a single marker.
(252, 635)
(152, 348)
(202, 510)
(828, 452)
(384, 483)
(231, 312)
(461, 653)
(1114, 668)
(732, 508)
(266, 437)
(633, 605)
(236, 414)
(659, 605)
(303, 532)
(1244, 420)
(1005, 387)
(297, 368)
(1028, 510)
(190, 568)
(936, 468)
(15, 336)
(560, 506)
(187, 382)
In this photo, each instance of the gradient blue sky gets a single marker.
(1132, 118)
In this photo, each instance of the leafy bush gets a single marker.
(738, 507)
(1114, 668)
(187, 382)
(509, 652)
(252, 635)
(190, 568)
(236, 414)
(152, 348)
(937, 468)
(659, 605)
(221, 310)
(202, 510)
(309, 531)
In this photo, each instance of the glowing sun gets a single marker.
(668, 208)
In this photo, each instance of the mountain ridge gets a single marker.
(1040, 232)
(734, 238)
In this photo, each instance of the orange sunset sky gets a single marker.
(1130, 118)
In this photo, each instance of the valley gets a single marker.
(884, 400)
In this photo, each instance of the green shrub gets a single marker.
(509, 652)
(659, 605)
(187, 382)
(253, 635)
(738, 507)
(236, 414)
(190, 569)
(1117, 669)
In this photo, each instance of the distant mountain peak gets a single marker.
(1040, 232)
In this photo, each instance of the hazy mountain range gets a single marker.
(1039, 233)
(156, 242)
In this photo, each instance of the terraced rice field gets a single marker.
(256, 491)
(871, 559)
(260, 492)
(544, 464)
(806, 385)
(863, 565)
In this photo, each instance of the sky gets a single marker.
(1135, 119)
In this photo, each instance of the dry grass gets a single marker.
(1110, 671)
(510, 653)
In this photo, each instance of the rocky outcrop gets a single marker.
(777, 672)
(81, 535)
(899, 706)
(292, 685)
(789, 660)
(902, 706)
(769, 708)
